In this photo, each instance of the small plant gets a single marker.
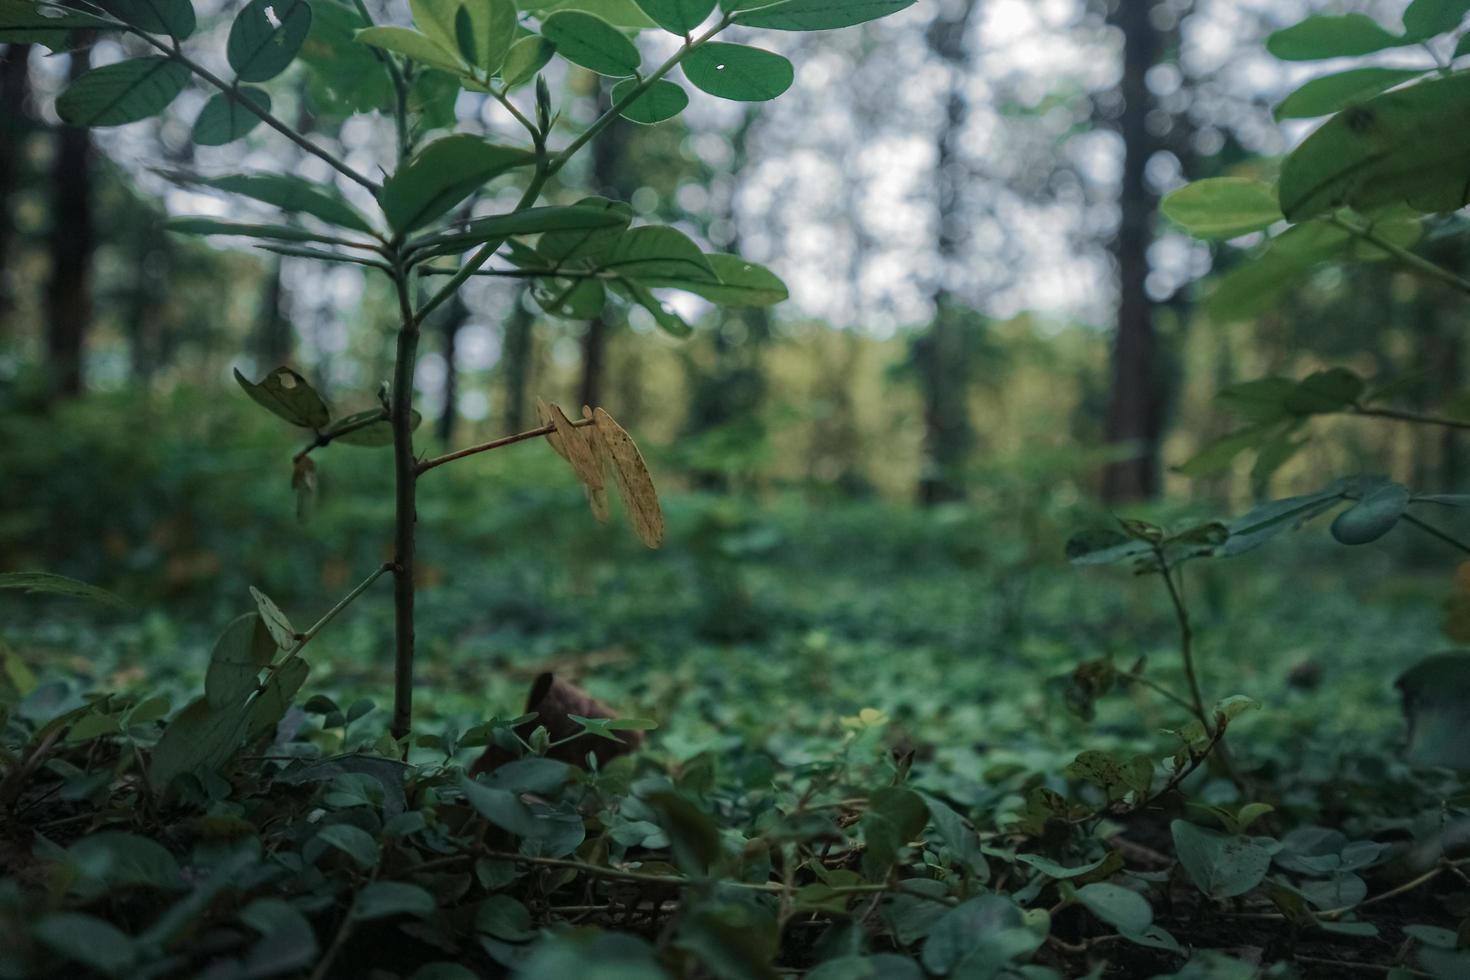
(399, 227)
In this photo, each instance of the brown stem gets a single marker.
(485, 447)
(405, 471)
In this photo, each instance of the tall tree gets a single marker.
(1135, 413)
(15, 122)
(454, 316)
(73, 241)
(940, 354)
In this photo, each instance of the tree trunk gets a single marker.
(273, 331)
(73, 240)
(1135, 413)
(607, 151)
(455, 315)
(941, 355)
(516, 363)
(15, 121)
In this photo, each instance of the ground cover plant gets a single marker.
(738, 759)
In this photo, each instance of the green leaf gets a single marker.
(678, 16)
(659, 253)
(47, 583)
(282, 633)
(896, 815)
(442, 174)
(345, 76)
(381, 899)
(288, 395)
(172, 17)
(114, 860)
(1120, 907)
(819, 15)
(29, 22)
(571, 246)
(1392, 149)
(693, 836)
(1374, 515)
(480, 32)
(410, 44)
(123, 92)
(880, 966)
(1103, 547)
(375, 435)
(738, 72)
(1324, 391)
(662, 100)
(225, 119)
(619, 13)
(1332, 93)
(1218, 455)
(267, 710)
(587, 40)
(1259, 525)
(1426, 18)
(505, 918)
(525, 58)
(1061, 872)
(532, 221)
(240, 654)
(1436, 705)
(1220, 866)
(88, 940)
(266, 36)
(294, 194)
(242, 229)
(741, 283)
(980, 937)
(733, 940)
(197, 737)
(957, 834)
(1330, 36)
(356, 843)
(1223, 207)
(287, 943)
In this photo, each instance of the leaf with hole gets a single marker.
(266, 36)
(29, 22)
(738, 72)
(288, 395)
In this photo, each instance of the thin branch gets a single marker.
(1186, 644)
(1398, 416)
(327, 438)
(545, 430)
(342, 604)
(1408, 258)
(262, 114)
(1157, 688)
(1430, 529)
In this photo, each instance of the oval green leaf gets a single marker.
(225, 118)
(819, 15)
(1373, 516)
(663, 100)
(1330, 36)
(678, 16)
(1332, 93)
(266, 37)
(1223, 207)
(588, 40)
(738, 72)
(123, 92)
(172, 17)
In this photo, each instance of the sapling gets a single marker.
(573, 254)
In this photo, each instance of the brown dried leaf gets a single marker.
(635, 484)
(598, 499)
(543, 412)
(578, 450)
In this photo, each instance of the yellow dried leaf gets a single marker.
(543, 412)
(635, 484)
(577, 448)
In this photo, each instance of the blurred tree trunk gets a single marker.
(73, 240)
(1135, 412)
(454, 316)
(516, 362)
(144, 318)
(273, 330)
(734, 390)
(15, 121)
(940, 355)
(607, 178)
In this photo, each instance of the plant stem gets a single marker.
(1395, 414)
(255, 110)
(1408, 258)
(324, 439)
(1157, 688)
(405, 471)
(1430, 529)
(486, 447)
(1186, 647)
(345, 601)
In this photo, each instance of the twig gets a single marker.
(1430, 529)
(545, 430)
(1408, 258)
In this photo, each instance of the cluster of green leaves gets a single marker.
(1358, 187)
